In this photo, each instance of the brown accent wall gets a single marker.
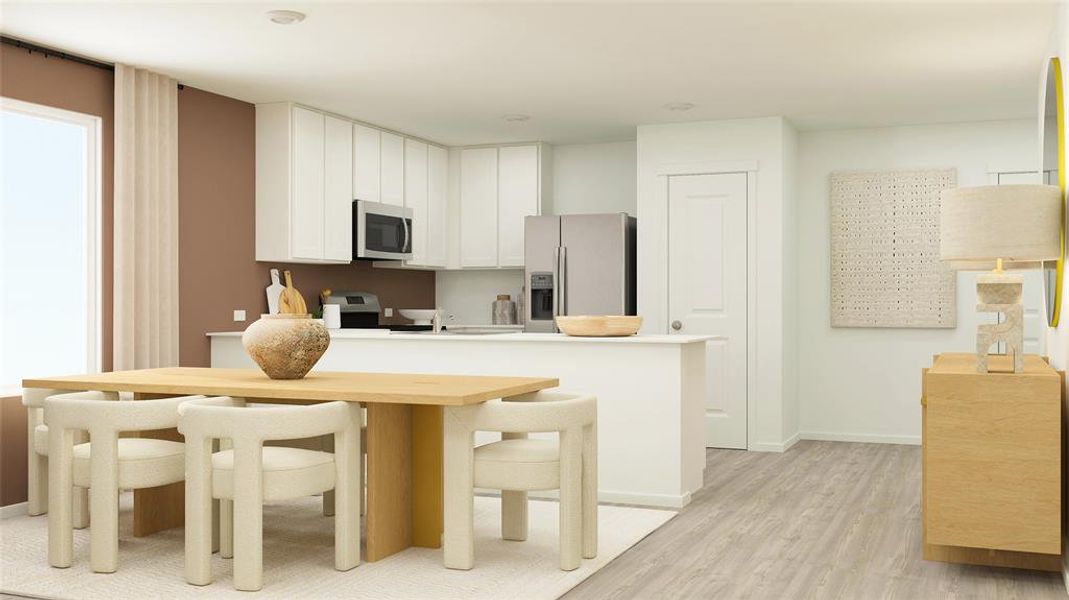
(218, 272)
(73, 86)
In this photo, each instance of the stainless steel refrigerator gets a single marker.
(578, 265)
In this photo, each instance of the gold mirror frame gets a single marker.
(1054, 80)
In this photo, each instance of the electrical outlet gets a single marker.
(387, 312)
(239, 316)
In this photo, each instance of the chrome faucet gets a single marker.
(436, 320)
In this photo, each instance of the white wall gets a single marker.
(467, 296)
(594, 178)
(765, 141)
(864, 384)
(587, 178)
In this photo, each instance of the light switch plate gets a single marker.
(239, 316)
(388, 312)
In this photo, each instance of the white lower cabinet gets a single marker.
(303, 185)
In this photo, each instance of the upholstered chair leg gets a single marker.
(513, 515)
(347, 485)
(80, 517)
(458, 544)
(104, 502)
(37, 469)
(590, 492)
(198, 510)
(226, 528)
(571, 496)
(60, 532)
(248, 516)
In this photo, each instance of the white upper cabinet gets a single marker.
(392, 169)
(306, 234)
(416, 197)
(338, 189)
(303, 185)
(478, 207)
(437, 195)
(518, 197)
(366, 163)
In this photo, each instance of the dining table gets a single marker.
(404, 435)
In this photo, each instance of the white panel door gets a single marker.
(707, 291)
(517, 198)
(478, 207)
(306, 208)
(437, 189)
(416, 197)
(337, 189)
(392, 169)
(1035, 305)
(367, 160)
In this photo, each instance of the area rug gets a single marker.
(299, 560)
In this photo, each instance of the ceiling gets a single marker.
(584, 72)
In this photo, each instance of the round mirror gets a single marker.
(1053, 158)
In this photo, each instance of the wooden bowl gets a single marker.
(599, 325)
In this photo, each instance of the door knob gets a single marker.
(677, 325)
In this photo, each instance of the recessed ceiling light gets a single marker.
(678, 106)
(516, 118)
(285, 17)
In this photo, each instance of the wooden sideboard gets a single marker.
(992, 473)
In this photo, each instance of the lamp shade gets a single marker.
(1020, 224)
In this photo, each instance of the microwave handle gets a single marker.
(404, 246)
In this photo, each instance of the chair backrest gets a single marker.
(35, 397)
(84, 410)
(226, 417)
(531, 413)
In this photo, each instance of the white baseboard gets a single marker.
(775, 446)
(869, 438)
(12, 510)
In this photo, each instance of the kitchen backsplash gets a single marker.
(467, 297)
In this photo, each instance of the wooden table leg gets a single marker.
(163, 507)
(404, 478)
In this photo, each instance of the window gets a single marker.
(49, 243)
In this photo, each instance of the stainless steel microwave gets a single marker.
(381, 231)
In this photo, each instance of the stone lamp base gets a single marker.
(1000, 293)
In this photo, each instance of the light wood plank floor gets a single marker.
(822, 520)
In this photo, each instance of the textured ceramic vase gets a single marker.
(286, 346)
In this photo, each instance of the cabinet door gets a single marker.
(338, 189)
(437, 189)
(366, 163)
(416, 197)
(478, 207)
(393, 169)
(306, 207)
(517, 198)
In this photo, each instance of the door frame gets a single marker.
(748, 168)
(93, 206)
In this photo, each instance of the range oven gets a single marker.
(381, 231)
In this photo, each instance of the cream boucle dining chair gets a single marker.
(516, 465)
(248, 473)
(105, 465)
(37, 456)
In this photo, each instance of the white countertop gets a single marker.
(385, 334)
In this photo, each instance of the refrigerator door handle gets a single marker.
(562, 268)
(556, 283)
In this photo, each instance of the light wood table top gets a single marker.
(388, 388)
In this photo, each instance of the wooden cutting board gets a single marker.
(290, 300)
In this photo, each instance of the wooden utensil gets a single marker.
(290, 300)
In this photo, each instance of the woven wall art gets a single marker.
(885, 267)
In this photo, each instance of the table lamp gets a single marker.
(1004, 227)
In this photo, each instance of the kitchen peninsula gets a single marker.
(650, 391)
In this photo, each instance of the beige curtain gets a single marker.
(146, 219)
